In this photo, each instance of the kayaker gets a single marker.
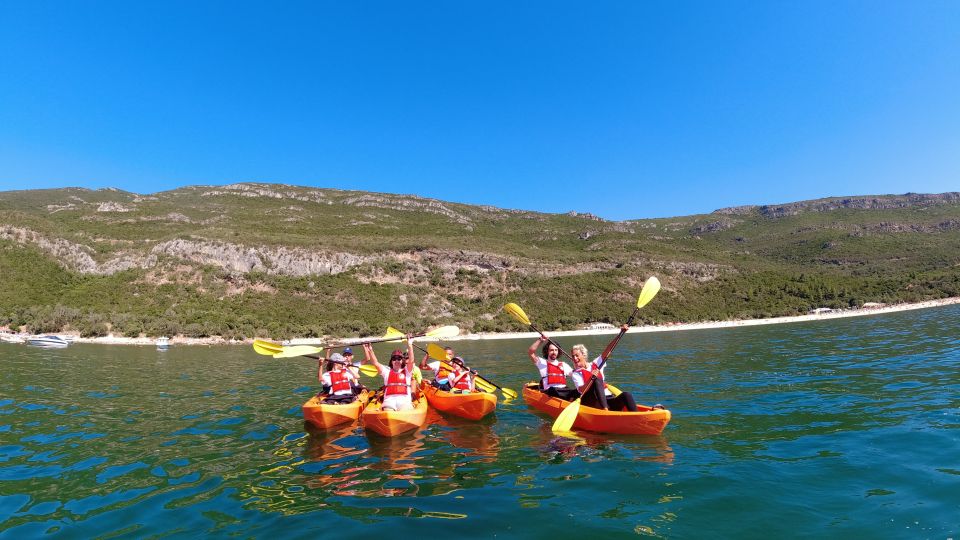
(598, 395)
(417, 377)
(348, 358)
(397, 378)
(461, 378)
(340, 385)
(553, 372)
(441, 378)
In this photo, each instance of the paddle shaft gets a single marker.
(555, 344)
(505, 391)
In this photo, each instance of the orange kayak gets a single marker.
(325, 415)
(391, 423)
(646, 421)
(472, 406)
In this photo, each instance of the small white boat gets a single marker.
(47, 341)
(163, 343)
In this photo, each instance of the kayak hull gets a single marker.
(393, 423)
(325, 415)
(646, 421)
(472, 406)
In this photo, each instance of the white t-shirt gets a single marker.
(435, 367)
(542, 366)
(578, 378)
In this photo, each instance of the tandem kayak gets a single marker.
(391, 423)
(325, 415)
(646, 421)
(472, 406)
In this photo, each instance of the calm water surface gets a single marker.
(844, 428)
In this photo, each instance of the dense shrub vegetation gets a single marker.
(565, 270)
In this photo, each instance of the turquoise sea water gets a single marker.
(847, 428)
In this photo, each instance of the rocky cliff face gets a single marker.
(886, 202)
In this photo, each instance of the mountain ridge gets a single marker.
(215, 259)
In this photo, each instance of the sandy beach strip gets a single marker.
(668, 327)
(672, 327)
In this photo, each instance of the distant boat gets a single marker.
(163, 343)
(47, 341)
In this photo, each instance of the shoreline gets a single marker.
(668, 327)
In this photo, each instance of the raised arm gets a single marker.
(532, 351)
(370, 357)
(613, 343)
(423, 363)
(411, 354)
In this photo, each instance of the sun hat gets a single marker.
(336, 357)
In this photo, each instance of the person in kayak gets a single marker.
(441, 377)
(461, 379)
(598, 395)
(397, 379)
(340, 383)
(553, 372)
(417, 377)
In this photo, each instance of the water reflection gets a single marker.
(591, 447)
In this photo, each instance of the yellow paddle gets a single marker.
(268, 348)
(517, 313)
(568, 416)
(438, 353)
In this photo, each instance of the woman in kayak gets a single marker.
(461, 378)
(397, 379)
(340, 383)
(553, 372)
(598, 395)
(441, 377)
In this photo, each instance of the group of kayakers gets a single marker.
(401, 377)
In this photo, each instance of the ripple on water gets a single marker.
(816, 428)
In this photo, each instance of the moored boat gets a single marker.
(326, 415)
(472, 406)
(392, 423)
(645, 421)
(163, 343)
(47, 341)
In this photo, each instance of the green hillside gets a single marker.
(281, 261)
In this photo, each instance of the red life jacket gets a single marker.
(587, 373)
(339, 382)
(464, 382)
(555, 375)
(397, 384)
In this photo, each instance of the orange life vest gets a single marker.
(464, 382)
(339, 382)
(397, 384)
(587, 373)
(555, 375)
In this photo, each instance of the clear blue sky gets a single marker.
(625, 109)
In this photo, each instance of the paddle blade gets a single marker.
(508, 393)
(297, 350)
(393, 333)
(437, 352)
(613, 390)
(517, 313)
(650, 289)
(369, 370)
(266, 348)
(567, 417)
(444, 332)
